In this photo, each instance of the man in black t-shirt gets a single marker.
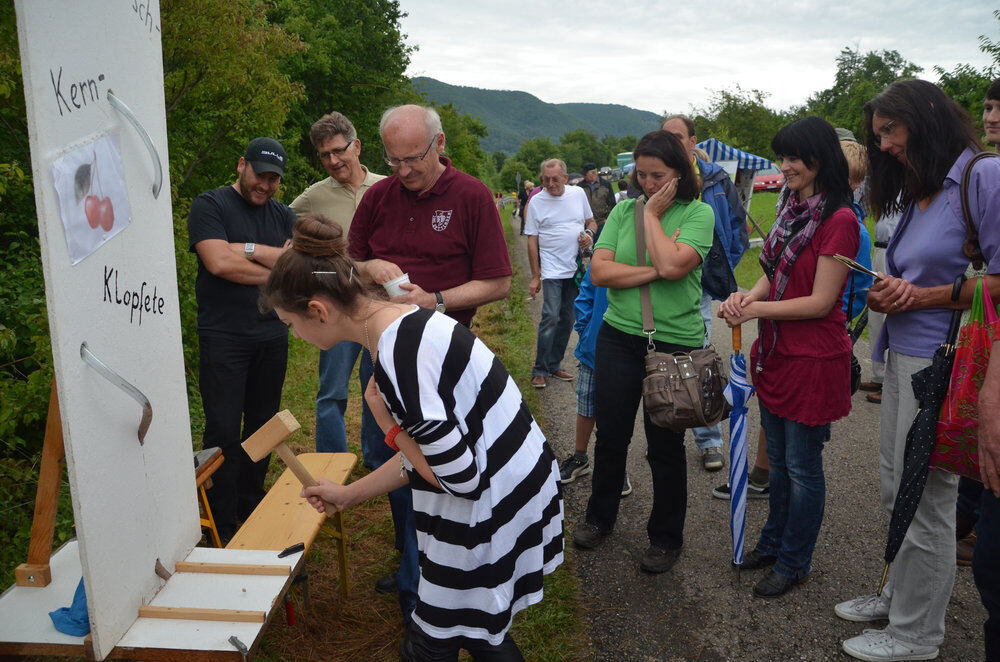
(238, 232)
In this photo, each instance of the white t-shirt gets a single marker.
(558, 222)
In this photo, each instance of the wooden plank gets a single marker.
(233, 568)
(202, 614)
(36, 571)
(284, 518)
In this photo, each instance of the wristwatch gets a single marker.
(248, 249)
(440, 302)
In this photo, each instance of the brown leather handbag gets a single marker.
(684, 389)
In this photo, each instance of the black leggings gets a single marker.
(418, 646)
(619, 368)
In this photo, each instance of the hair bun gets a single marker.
(318, 236)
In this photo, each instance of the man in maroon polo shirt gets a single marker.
(430, 221)
(441, 228)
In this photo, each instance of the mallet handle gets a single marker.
(292, 462)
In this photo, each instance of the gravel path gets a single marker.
(703, 609)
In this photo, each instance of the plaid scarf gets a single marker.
(791, 233)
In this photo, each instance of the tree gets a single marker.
(741, 119)
(223, 88)
(462, 133)
(580, 146)
(860, 76)
(618, 145)
(966, 84)
(354, 62)
(498, 159)
(535, 150)
(511, 169)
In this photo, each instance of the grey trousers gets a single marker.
(876, 320)
(922, 576)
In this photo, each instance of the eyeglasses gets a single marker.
(337, 151)
(408, 161)
(885, 131)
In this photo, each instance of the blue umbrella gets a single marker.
(738, 392)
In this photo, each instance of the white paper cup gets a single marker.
(393, 286)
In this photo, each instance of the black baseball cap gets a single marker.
(266, 155)
(587, 167)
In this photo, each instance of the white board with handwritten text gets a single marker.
(114, 289)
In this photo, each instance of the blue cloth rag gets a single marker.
(73, 620)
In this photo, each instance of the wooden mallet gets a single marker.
(271, 437)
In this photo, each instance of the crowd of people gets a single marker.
(392, 269)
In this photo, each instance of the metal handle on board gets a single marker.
(116, 379)
(127, 113)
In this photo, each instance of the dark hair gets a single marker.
(688, 122)
(318, 245)
(330, 126)
(939, 130)
(668, 148)
(993, 91)
(622, 184)
(814, 140)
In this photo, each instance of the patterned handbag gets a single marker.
(956, 448)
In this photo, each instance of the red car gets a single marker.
(768, 179)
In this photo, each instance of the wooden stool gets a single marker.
(206, 462)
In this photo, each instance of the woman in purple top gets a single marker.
(919, 142)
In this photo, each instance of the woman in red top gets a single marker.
(801, 361)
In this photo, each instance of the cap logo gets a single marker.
(264, 152)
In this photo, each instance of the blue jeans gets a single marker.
(335, 365)
(798, 492)
(558, 295)
(987, 571)
(400, 502)
(711, 436)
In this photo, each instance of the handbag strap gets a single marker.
(971, 247)
(645, 299)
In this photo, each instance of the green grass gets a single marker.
(748, 271)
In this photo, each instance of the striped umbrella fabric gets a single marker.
(738, 392)
(720, 151)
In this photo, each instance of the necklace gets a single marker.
(368, 342)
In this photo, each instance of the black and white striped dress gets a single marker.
(487, 539)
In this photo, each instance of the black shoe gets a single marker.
(775, 585)
(755, 561)
(587, 536)
(658, 559)
(388, 584)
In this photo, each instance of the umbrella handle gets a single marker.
(882, 582)
(737, 339)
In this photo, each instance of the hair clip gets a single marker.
(317, 273)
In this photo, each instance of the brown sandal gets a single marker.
(874, 398)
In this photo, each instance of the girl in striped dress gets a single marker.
(485, 483)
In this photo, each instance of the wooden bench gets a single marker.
(283, 518)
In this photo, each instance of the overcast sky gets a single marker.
(669, 55)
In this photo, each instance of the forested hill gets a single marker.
(512, 117)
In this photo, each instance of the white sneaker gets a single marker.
(878, 646)
(866, 608)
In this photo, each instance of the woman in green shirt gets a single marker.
(678, 231)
